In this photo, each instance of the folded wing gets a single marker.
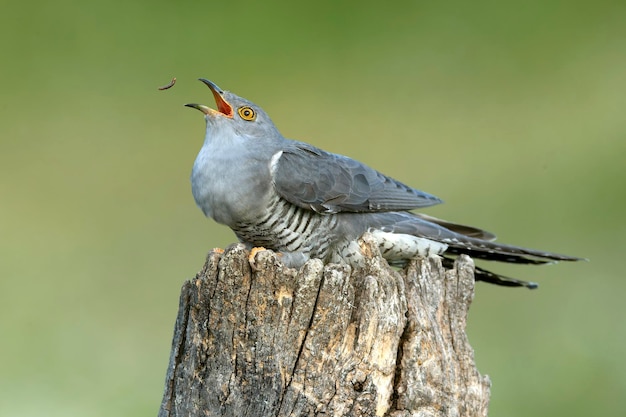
(328, 183)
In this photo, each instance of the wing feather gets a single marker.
(328, 183)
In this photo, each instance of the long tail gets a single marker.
(481, 274)
(472, 241)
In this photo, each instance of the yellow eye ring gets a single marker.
(246, 113)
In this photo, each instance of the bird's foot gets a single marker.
(252, 257)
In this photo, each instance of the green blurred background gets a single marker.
(512, 112)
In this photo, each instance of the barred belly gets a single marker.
(288, 228)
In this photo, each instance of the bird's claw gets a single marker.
(252, 257)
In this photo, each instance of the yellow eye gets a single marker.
(246, 113)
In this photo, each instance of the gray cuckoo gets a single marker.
(306, 203)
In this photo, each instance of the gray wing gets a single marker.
(328, 183)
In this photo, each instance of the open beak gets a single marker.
(223, 108)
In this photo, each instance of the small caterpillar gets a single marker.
(170, 85)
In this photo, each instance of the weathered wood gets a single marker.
(265, 340)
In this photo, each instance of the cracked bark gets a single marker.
(272, 341)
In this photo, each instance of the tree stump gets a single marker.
(254, 338)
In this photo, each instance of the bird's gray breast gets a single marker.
(228, 186)
(288, 228)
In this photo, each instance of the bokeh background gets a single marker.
(512, 112)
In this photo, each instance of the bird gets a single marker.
(306, 203)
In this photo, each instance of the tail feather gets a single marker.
(458, 242)
(481, 274)
(462, 229)
(471, 241)
(492, 251)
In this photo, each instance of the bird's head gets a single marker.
(235, 114)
